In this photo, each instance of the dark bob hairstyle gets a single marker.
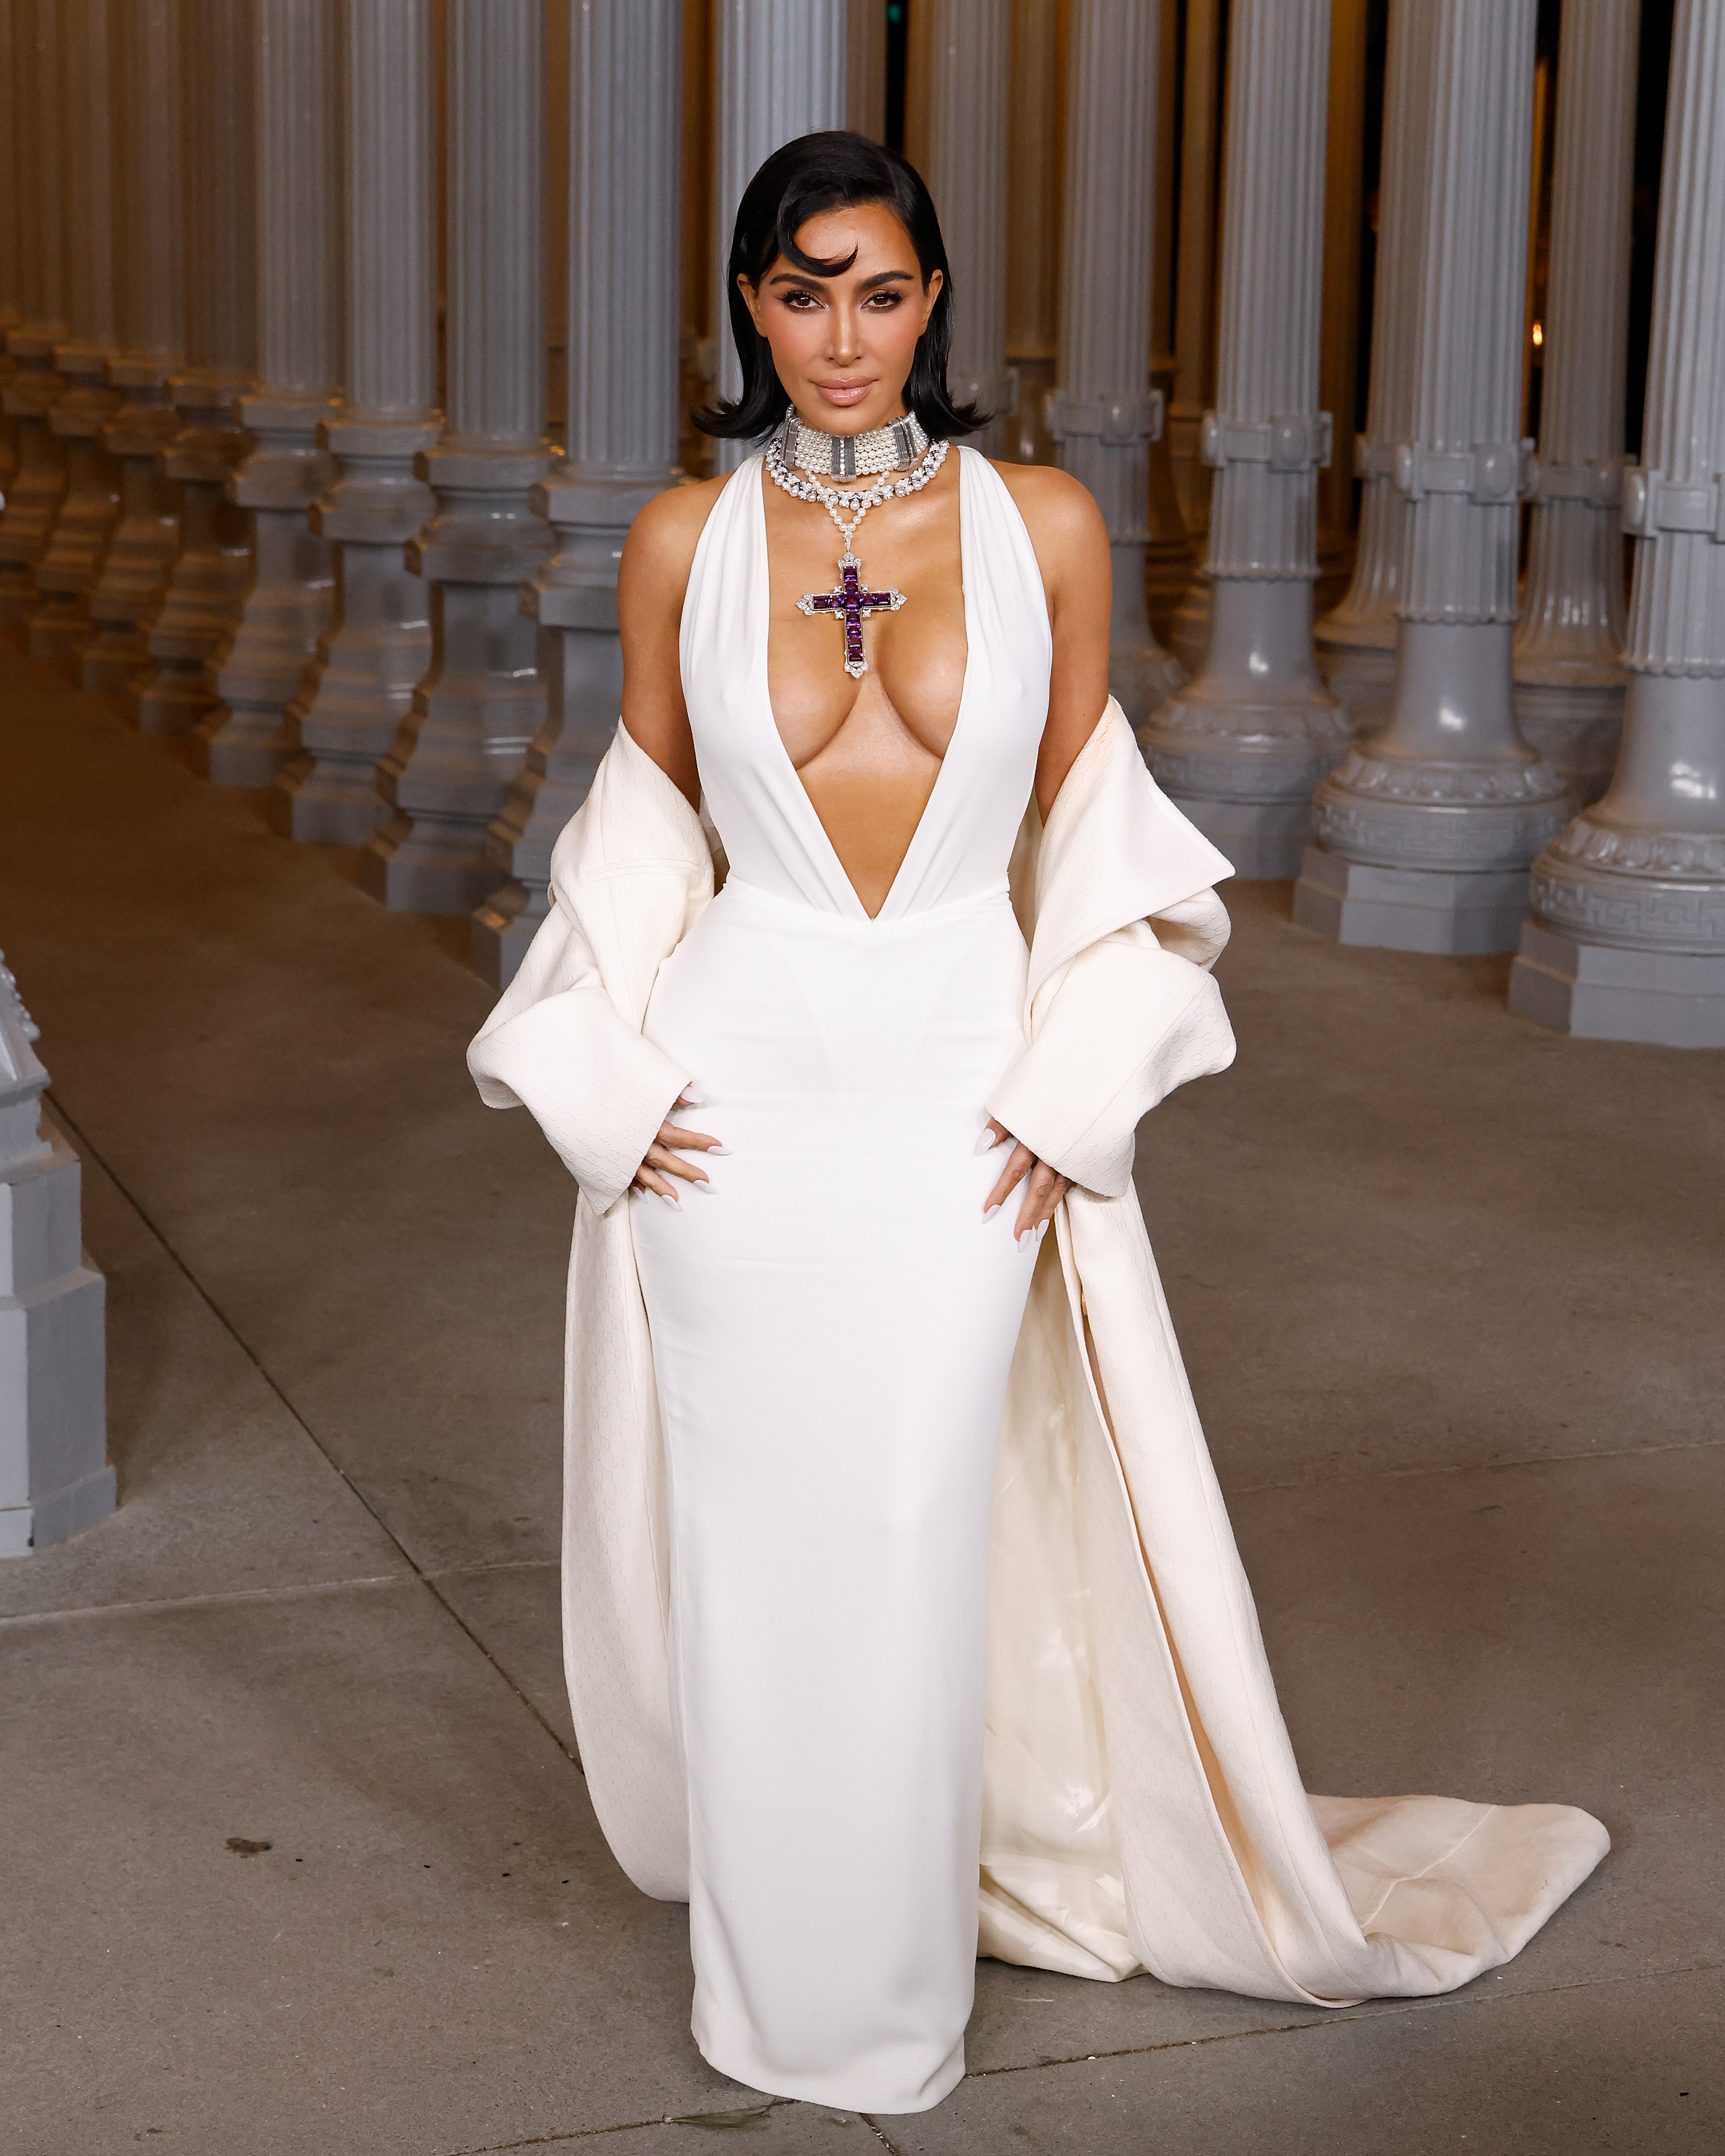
(819, 172)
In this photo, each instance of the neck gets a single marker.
(895, 447)
(822, 422)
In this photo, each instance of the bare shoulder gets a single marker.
(1058, 511)
(667, 530)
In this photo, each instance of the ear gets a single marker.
(752, 300)
(931, 293)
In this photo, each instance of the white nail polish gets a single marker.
(664, 1198)
(705, 1188)
(989, 1211)
(714, 1152)
(986, 1142)
(691, 1096)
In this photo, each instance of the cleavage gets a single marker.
(868, 751)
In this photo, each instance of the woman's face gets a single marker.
(842, 346)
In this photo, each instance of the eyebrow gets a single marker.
(806, 277)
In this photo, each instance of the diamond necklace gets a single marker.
(849, 601)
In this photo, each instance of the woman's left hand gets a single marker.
(1043, 1192)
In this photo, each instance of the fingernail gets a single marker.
(989, 1211)
(716, 1152)
(691, 1096)
(1041, 1229)
(706, 1189)
(664, 1198)
(986, 1142)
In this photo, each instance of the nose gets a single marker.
(846, 339)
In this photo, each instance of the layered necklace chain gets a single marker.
(849, 603)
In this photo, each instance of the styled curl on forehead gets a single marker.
(836, 170)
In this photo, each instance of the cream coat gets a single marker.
(1143, 1808)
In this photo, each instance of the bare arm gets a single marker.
(1071, 547)
(651, 581)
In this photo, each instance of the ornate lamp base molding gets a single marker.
(1243, 747)
(1266, 840)
(1360, 675)
(1576, 728)
(1598, 991)
(1442, 913)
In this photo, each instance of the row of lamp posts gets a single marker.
(234, 495)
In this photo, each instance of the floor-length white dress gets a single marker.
(833, 1325)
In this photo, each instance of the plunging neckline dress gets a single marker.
(832, 1325)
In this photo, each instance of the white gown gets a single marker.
(832, 1326)
(785, 1399)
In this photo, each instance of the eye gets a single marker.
(884, 302)
(800, 301)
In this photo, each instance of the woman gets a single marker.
(901, 1610)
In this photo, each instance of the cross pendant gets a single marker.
(851, 601)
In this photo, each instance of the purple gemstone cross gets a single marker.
(853, 602)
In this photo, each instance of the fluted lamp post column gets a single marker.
(1424, 834)
(959, 145)
(1102, 412)
(1242, 746)
(1569, 680)
(146, 77)
(59, 623)
(781, 74)
(1194, 288)
(483, 699)
(360, 686)
(39, 480)
(256, 671)
(211, 563)
(11, 314)
(1356, 641)
(1627, 941)
(625, 130)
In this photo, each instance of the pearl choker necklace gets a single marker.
(848, 456)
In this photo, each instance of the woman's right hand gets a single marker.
(662, 1162)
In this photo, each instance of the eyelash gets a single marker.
(889, 299)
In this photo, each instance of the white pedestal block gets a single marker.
(1434, 911)
(55, 1477)
(1670, 998)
